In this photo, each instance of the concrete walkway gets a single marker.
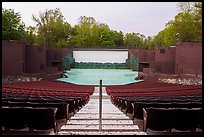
(86, 121)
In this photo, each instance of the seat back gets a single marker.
(62, 111)
(200, 124)
(186, 119)
(138, 108)
(14, 117)
(159, 119)
(42, 118)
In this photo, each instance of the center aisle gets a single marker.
(86, 120)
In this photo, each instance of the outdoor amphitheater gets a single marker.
(101, 91)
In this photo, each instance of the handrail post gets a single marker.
(100, 106)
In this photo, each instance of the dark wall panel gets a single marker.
(13, 58)
(35, 59)
(189, 58)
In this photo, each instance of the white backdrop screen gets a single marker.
(100, 56)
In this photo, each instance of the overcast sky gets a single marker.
(147, 18)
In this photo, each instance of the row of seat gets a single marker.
(75, 103)
(124, 101)
(22, 89)
(62, 100)
(137, 107)
(133, 98)
(33, 118)
(52, 94)
(48, 85)
(197, 92)
(147, 85)
(62, 107)
(182, 119)
(128, 104)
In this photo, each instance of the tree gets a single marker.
(133, 39)
(105, 35)
(31, 36)
(188, 23)
(147, 43)
(185, 27)
(12, 26)
(185, 6)
(166, 37)
(90, 33)
(117, 38)
(85, 33)
(52, 28)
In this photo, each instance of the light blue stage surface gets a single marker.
(93, 76)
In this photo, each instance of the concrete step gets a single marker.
(101, 133)
(105, 116)
(86, 120)
(95, 127)
(97, 97)
(96, 121)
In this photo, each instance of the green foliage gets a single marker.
(166, 37)
(133, 39)
(12, 26)
(85, 33)
(93, 65)
(133, 63)
(68, 61)
(90, 33)
(117, 38)
(53, 32)
(127, 62)
(30, 36)
(147, 43)
(186, 26)
(52, 29)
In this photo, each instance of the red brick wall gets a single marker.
(132, 51)
(54, 56)
(168, 56)
(164, 60)
(189, 58)
(35, 59)
(13, 58)
(150, 55)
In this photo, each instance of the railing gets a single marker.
(100, 106)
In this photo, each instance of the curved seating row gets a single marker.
(131, 99)
(66, 99)
(126, 104)
(182, 119)
(62, 107)
(33, 118)
(49, 86)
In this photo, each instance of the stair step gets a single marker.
(103, 118)
(95, 127)
(96, 113)
(86, 120)
(103, 114)
(101, 133)
(73, 121)
(97, 117)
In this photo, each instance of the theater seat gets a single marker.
(200, 124)
(14, 117)
(42, 119)
(62, 111)
(185, 119)
(158, 119)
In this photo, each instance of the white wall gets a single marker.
(100, 56)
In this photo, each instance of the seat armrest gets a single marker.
(144, 120)
(67, 108)
(55, 122)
